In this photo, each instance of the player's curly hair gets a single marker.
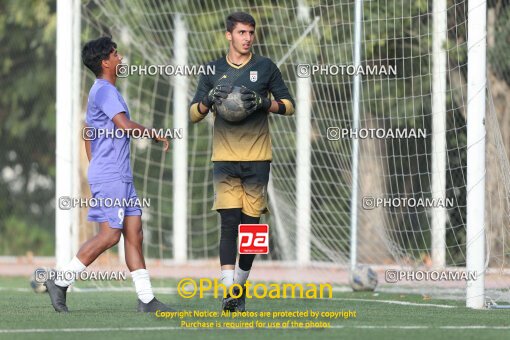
(238, 17)
(95, 51)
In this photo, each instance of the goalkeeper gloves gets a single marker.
(216, 94)
(252, 101)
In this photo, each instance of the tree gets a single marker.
(27, 126)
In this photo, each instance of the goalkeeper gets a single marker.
(242, 150)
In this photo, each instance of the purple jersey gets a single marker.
(110, 154)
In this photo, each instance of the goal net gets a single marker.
(411, 164)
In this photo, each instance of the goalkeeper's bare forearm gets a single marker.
(283, 107)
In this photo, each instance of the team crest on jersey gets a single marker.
(253, 76)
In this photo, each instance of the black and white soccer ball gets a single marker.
(363, 279)
(231, 108)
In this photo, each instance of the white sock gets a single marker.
(75, 266)
(241, 276)
(227, 277)
(143, 285)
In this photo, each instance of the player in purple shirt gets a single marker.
(110, 176)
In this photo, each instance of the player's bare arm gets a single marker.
(87, 150)
(88, 147)
(121, 121)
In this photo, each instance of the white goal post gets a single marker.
(68, 117)
(475, 243)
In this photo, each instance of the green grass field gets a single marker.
(98, 315)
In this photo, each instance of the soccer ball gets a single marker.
(231, 108)
(37, 280)
(363, 278)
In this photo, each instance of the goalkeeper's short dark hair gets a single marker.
(95, 51)
(238, 17)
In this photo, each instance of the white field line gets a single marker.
(168, 290)
(131, 329)
(161, 290)
(395, 302)
(174, 291)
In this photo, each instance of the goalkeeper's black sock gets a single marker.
(230, 219)
(246, 260)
